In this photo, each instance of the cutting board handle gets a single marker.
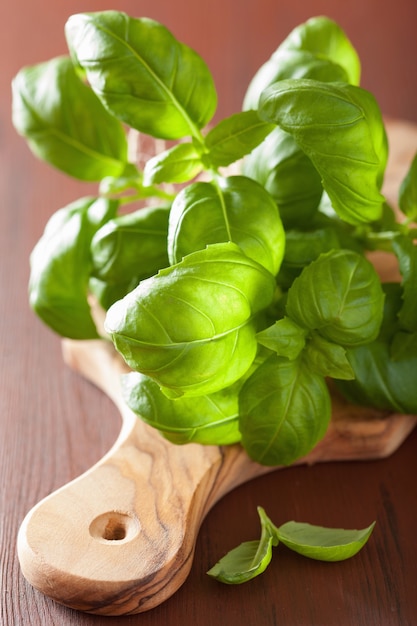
(120, 538)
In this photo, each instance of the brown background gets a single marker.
(55, 425)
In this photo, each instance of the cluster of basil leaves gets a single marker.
(233, 297)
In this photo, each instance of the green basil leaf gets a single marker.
(61, 266)
(339, 295)
(406, 252)
(296, 64)
(168, 328)
(143, 75)
(323, 544)
(323, 37)
(284, 411)
(327, 358)
(408, 192)
(288, 174)
(317, 49)
(131, 247)
(234, 137)
(285, 338)
(304, 246)
(208, 420)
(249, 559)
(65, 123)
(384, 378)
(230, 209)
(176, 165)
(340, 128)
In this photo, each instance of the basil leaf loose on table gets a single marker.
(143, 75)
(60, 267)
(340, 128)
(251, 558)
(323, 544)
(168, 328)
(65, 123)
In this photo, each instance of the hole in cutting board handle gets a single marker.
(114, 526)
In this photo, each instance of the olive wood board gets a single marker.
(120, 538)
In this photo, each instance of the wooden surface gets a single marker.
(120, 539)
(54, 425)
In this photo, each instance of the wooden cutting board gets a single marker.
(120, 538)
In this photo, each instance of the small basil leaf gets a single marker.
(65, 123)
(208, 420)
(143, 75)
(408, 192)
(327, 358)
(323, 544)
(285, 337)
(61, 266)
(131, 247)
(406, 252)
(340, 128)
(249, 559)
(288, 174)
(234, 137)
(339, 295)
(176, 165)
(231, 209)
(168, 328)
(284, 411)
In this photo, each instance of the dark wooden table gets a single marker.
(55, 425)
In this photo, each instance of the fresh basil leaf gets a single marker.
(235, 209)
(61, 266)
(302, 247)
(384, 379)
(65, 123)
(234, 137)
(208, 420)
(408, 192)
(403, 345)
(406, 252)
(285, 338)
(168, 328)
(176, 165)
(323, 37)
(296, 64)
(288, 174)
(249, 559)
(131, 247)
(317, 49)
(284, 411)
(327, 358)
(339, 295)
(340, 128)
(143, 75)
(323, 544)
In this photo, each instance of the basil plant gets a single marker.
(232, 262)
